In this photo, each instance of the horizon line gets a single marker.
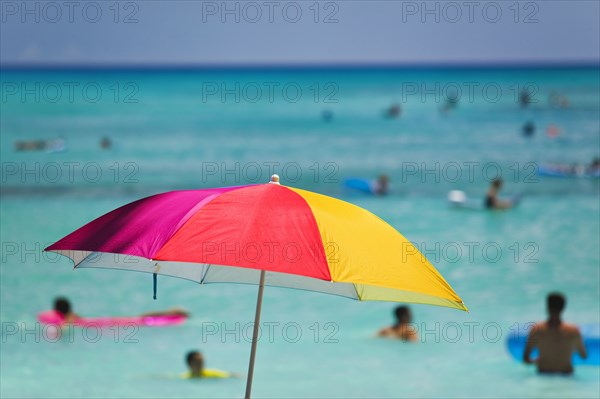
(299, 66)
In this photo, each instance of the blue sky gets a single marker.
(298, 32)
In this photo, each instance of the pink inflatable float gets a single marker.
(53, 317)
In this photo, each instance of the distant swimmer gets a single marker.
(594, 166)
(394, 111)
(30, 145)
(528, 129)
(555, 340)
(524, 98)
(63, 309)
(195, 363)
(552, 131)
(105, 143)
(558, 100)
(571, 170)
(451, 101)
(492, 200)
(327, 115)
(402, 329)
(50, 145)
(381, 186)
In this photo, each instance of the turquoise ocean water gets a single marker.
(194, 129)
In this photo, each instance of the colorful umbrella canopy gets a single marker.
(264, 234)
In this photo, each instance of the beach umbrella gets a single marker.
(264, 234)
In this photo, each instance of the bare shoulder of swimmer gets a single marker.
(571, 329)
(539, 327)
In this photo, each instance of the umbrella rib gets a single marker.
(205, 273)
(82, 260)
(355, 290)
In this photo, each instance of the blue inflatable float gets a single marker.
(591, 339)
(363, 185)
(568, 171)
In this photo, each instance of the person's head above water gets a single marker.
(62, 306)
(195, 361)
(497, 183)
(556, 303)
(382, 185)
(403, 314)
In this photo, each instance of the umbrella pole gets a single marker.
(261, 287)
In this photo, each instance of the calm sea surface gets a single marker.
(193, 129)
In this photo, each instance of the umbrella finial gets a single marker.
(274, 179)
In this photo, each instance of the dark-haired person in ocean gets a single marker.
(528, 129)
(394, 111)
(381, 185)
(492, 200)
(524, 98)
(450, 102)
(62, 306)
(555, 340)
(195, 363)
(594, 167)
(402, 329)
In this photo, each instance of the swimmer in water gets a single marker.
(105, 143)
(30, 145)
(594, 166)
(394, 111)
(528, 129)
(555, 340)
(491, 199)
(327, 115)
(558, 100)
(382, 185)
(62, 306)
(195, 363)
(402, 329)
(451, 101)
(524, 98)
